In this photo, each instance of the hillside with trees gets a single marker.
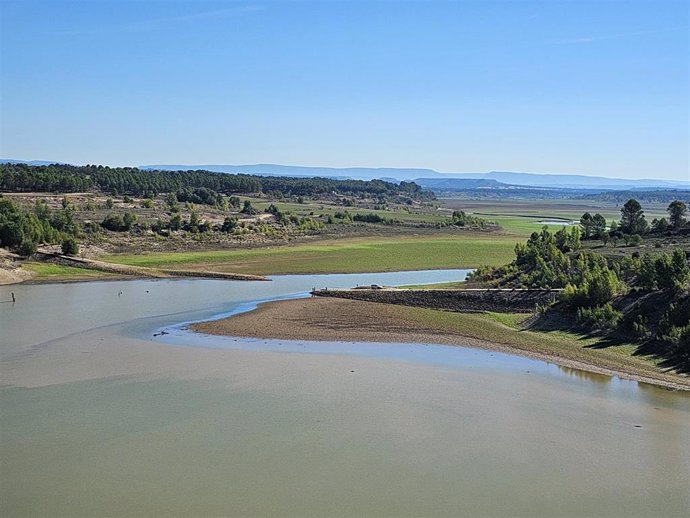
(641, 298)
(58, 178)
(98, 209)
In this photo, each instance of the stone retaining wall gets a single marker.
(464, 301)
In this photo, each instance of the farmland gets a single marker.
(363, 254)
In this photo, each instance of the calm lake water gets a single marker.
(99, 417)
(565, 223)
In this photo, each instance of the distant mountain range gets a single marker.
(427, 178)
(575, 181)
(358, 173)
(29, 162)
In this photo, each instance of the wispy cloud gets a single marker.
(153, 24)
(606, 37)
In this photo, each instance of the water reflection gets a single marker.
(594, 377)
(663, 397)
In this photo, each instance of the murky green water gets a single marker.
(99, 418)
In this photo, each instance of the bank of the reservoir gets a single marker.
(337, 319)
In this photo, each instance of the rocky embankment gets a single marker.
(464, 301)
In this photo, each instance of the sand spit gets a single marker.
(327, 319)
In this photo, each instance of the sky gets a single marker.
(587, 87)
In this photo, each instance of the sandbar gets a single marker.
(326, 319)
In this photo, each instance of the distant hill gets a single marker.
(30, 162)
(423, 176)
(357, 173)
(454, 184)
(574, 181)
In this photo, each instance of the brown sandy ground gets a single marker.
(358, 321)
(9, 275)
(10, 270)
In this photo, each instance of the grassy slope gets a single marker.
(367, 254)
(351, 255)
(505, 328)
(345, 255)
(48, 271)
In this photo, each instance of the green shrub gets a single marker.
(70, 246)
(598, 286)
(602, 318)
(229, 224)
(27, 247)
(679, 338)
(248, 209)
(372, 217)
(635, 240)
(175, 222)
(113, 222)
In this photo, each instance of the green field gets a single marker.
(520, 226)
(341, 256)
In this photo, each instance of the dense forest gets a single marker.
(59, 178)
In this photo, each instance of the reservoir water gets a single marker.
(99, 417)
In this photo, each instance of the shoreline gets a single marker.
(339, 320)
(112, 271)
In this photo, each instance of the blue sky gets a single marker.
(597, 88)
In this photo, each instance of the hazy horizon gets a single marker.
(385, 167)
(584, 88)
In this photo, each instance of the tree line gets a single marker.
(23, 230)
(58, 178)
(633, 222)
(647, 196)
